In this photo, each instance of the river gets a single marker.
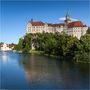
(30, 71)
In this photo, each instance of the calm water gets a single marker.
(24, 71)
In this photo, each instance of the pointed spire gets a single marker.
(67, 18)
(68, 13)
(32, 20)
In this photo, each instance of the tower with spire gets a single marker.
(67, 20)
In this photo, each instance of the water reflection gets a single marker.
(4, 57)
(25, 71)
(42, 72)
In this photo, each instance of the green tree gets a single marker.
(27, 43)
(62, 40)
(58, 44)
(85, 41)
(88, 31)
(72, 47)
(50, 44)
(19, 46)
(1, 42)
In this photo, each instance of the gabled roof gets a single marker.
(75, 24)
(8, 45)
(58, 25)
(37, 23)
(55, 25)
(70, 25)
(49, 24)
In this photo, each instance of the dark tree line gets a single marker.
(58, 44)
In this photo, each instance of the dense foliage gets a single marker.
(20, 45)
(58, 44)
(88, 31)
(24, 45)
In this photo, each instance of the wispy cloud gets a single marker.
(73, 19)
(63, 18)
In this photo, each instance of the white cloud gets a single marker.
(63, 18)
(73, 19)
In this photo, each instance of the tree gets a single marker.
(62, 40)
(19, 46)
(83, 52)
(85, 41)
(72, 47)
(1, 42)
(58, 44)
(27, 43)
(50, 44)
(88, 31)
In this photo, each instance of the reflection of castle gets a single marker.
(45, 73)
(76, 28)
(40, 73)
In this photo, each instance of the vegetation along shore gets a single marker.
(57, 45)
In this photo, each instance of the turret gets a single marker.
(67, 21)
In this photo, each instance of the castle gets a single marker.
(75, 29)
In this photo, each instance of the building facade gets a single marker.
(75, 29)
(6, 47)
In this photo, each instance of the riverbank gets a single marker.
(39, 53)
(17, 51)
(57, 57)
(42, 53)
(53, 56)
(36, 52)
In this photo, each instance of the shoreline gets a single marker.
(51, 56)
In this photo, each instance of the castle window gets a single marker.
(33, 26)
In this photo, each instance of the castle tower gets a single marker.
(31, 20)
(67, 21)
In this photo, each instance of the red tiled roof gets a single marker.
(70, 25)
(49, 24)
(55, 25)
(58, 25)
(75, 24)
(37, 23)
(11, 45)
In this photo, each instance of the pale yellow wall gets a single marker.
(76, 31)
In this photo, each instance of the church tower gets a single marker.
(67, 21)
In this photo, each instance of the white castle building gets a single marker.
(75, 29)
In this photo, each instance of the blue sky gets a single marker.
(15, 15)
